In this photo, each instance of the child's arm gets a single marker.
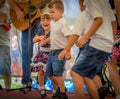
(45, 41)
(94, 27)
(66, 52)
(114, 27)
(38, 38)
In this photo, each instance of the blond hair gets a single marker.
(45, 16)
(58, 4)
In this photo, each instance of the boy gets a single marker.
(58, 40)
(95, 45)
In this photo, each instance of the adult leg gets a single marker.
(5, 68)
(27, 51)
(7, 80)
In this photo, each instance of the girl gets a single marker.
(39, 61)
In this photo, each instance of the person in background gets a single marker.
(97, 42)
(27, 53)
(5, 58)
(60, 33)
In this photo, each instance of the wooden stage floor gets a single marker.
(34, 94)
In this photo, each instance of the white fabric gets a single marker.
(59, 32)
(44, 49)
(103, 38)
(79, 27)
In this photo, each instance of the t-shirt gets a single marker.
(103, 38)
(59, 32)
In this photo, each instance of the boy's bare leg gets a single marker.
(41, 78)
(60, 81)
(54, 82)
(114, 75)
(41, 86)
(97, 81)
(78, 84)
(91, 87)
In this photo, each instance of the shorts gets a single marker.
(88, 60)
(54, 66)
(5, 60)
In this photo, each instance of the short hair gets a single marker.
(58, 4)
(45, 16)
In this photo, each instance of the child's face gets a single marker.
(45, 23)
(55, 14)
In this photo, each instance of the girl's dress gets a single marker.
(40, 60)
(116, 49)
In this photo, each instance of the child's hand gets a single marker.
(65, 54)
(42, 37)
(38, 38)
(62, 55)
(80, 43)
(68, 55)
(35, 39)
(41, 43)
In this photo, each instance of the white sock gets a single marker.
(54, 91)
(41, 87)
(42, 91)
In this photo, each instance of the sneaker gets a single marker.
(58, 96)
(26, 87)
(42, 93)
(63, 96)
(55, 94)
(102, 92)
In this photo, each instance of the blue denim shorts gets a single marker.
(89, 60)
(54, 66)
(5, 60)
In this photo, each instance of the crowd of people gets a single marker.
(94, 34)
